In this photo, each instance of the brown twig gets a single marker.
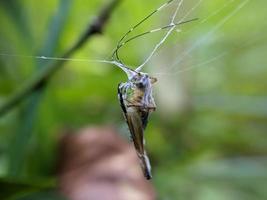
(40, 80)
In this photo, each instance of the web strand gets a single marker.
(139, 68)
(198, 65)
(216, 11)
(57, 58)
(170, 31)
(172, 25)
(115, 55)
(155, 30)
(117, 61)
(206, 36)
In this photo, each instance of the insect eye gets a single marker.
(140, 85)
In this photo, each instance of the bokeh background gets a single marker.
(207, 139)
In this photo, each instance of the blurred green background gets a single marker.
(207, 139)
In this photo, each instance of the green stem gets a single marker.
(41, 78)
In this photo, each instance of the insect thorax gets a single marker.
(137, 92)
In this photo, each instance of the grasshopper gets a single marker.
(137, 103)
(135, 95)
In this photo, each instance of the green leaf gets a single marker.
(13, 9)
(11, 189)
(19, 151)
(41, 195)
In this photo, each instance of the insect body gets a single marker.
(137, 103)
(135, 95)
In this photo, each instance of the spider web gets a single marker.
(201, 40)
(182, 57)
(206, 36)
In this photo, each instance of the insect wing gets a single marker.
(135, 124)
(136, 120)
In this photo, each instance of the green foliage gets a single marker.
(207, 137)
(11, 189)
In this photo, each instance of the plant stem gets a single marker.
(40, 80)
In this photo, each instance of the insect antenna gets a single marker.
(148, 32)
(115, 55)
